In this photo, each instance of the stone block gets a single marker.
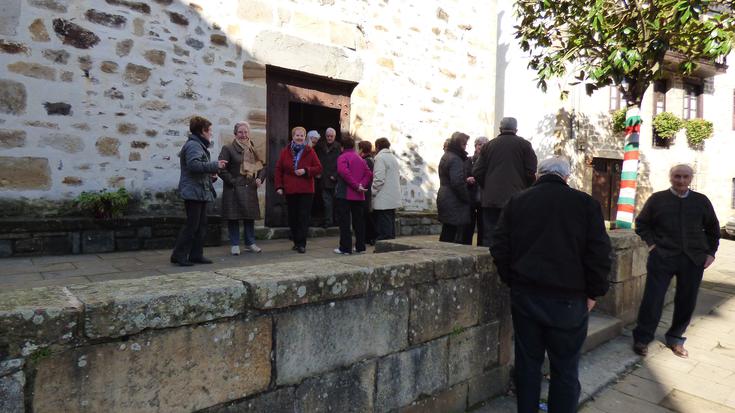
(255, 96)
(74, 34)
(106, 19)
(38, 31)
(123, 307)
(346, 35)
(624, 239)
(490, 384)
(12, 138)
(394, 270)
(127, 244)
(156, 57)
(505, 339)
(622, 265)
(453, 400)
(122, 48)
(34, 318)
(320, 338)
(6, 248)
(9, 17)
(14, 47)
(136, 74)
(58, 245)
(107, 146)
(277, 401)
(287, 284)
(640, 259)
(450, 264)
(472, 351)
(404, 377)
(63, 142)
(253, 71)
(441, 308)
(145, 232)
(255, 11)
(13, 97)
(140, 7)
(29, 246)
(159, 243)
(181, 369)
(59, 6)
(348, 390)
(98, 241)
(11, 393)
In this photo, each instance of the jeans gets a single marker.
(385, 224)
(190, 242)
(350, 212)
(299, 215)
(233, 230)
(490, 217)
(660, 271)
(328, 199)
(558, 327)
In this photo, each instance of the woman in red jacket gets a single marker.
(295, 171)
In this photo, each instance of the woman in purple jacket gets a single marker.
(353, 180)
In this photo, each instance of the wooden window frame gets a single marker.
(660, 87)
(696, 97)
(615, 100)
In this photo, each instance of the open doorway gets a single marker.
(300, 99)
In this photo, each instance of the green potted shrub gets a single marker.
(103, 204)
(618, 121)
(697, 131)
(666, 125)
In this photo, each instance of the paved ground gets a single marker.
(74, 269)
(662, 382)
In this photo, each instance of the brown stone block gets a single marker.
(107, 146)
(52, 5)
(33, 70)
(182, 369)
(74, 34)
(38, 31)
(438, 309)
(72, 180)
(62, 142)
(218, 39)
(622, 265)
(472, 351)
(106, 19)
(177, 18)
(132, 5)
(12, 97)
(157, 57)
(12, 138)
(13, 47)
(253, 71)
(24, 173)
(109, 67)
(136, 74)
(122, 48)
(491, 383)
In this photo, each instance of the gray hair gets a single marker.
(508, 124)
(312, 134)
(330, 129)
(237, 126)
(557, 165)
(481, 140)
(681, 165)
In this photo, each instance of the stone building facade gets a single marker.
(97, 94)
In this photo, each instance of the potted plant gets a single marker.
(618, 121)
(697, 131)
(103, 204)
(666, 125)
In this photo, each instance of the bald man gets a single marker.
(682, 233)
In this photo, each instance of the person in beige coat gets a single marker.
(245, 172)
(386, 190)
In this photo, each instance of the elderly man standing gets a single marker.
(506, 166)
(328, 150)
(682, 233)
(551, 249)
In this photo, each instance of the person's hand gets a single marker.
(214, 178)
(361, 188)
(652, 247)
(258, 182)
(222, 164)
(590, 304)
(471, 180)
(332, 178)
(300, 172)
(318, 176)
(279, 191)
(708, 261)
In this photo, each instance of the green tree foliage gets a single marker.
(621, 42)
(667, 125)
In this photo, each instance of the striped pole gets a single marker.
(629, 175)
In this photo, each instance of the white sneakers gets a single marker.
(253, 248)
(235, 250)
(339, 251)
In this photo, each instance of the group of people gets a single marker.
(551, 248)
(361, 189)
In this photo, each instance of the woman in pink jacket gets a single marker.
(353, 180)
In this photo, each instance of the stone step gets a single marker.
(602, 328)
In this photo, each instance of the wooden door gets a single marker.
(285, 87)
(606, 185)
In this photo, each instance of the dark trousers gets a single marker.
(660, 271)
(490, 221)
(469, 230)
(328, 199)
(385, 223)
(451, 233)
(350, 212)
(190, 242)
(369, 221)
(555, 326)
(299, 215)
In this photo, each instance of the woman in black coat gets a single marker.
(453, 200)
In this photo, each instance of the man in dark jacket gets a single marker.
(328, 150)
(682, 233)
(551, 248)
(506, 166)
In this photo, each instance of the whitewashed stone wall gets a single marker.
(97, 94)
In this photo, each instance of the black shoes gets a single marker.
(301, 250)
(640, 349)
(181, 263)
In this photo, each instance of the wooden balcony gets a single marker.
(705, 68)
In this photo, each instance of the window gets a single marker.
(659, 105)
(616, 98)
(692, 101)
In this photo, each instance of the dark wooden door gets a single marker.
(290, 90)
(606, 184)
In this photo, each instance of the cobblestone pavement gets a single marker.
(75, 269)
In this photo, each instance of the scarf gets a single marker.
(297, 151)
(251, 163)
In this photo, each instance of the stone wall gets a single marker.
(411, 330)
(97, 94)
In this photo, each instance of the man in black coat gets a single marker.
(506, 166)
(328, 150)
(682, 233)
(552, 250)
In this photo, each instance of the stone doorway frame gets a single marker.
(284, 86)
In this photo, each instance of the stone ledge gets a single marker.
(123, 307)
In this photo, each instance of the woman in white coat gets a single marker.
(386, 190)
